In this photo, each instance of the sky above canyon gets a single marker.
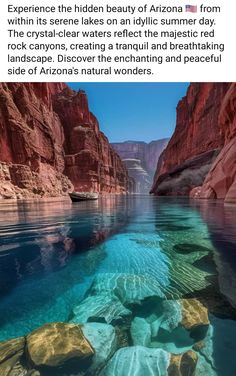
(134, 111)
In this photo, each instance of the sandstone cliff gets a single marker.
(49, 140)
(140, 159)
(31, 142)
(91, 163)
(221, 180)
(196, 142)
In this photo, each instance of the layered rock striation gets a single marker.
(49, 141)
(196, 142)
(221, 180)
(140, 159)
(182, 179)
(31, 142)
(91, 163)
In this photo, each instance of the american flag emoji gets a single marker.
(191, 8)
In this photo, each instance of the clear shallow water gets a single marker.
(141, 246)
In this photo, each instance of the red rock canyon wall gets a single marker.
(49, 140)
(196, 142)
(100, 167)
(221, 180)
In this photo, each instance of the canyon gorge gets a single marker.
(50, 144)
(200, 157)
(128, 284)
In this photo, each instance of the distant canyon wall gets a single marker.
(140, 159)
(50, 142)
(205, 125)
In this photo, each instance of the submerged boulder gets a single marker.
(54, 344)
(105, 307)
(177, 275)
(11, 353)
(171, 315)
(194, 314)
(174, 326)
(129, 288)
(141, 332)
(103, 339)
(166, 316)
(217, 353)
(183, 364)
(111, 293)
(138, 361)
(205, 368)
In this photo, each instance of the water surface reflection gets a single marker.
(150, 256)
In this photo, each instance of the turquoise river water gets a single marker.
(141, 255)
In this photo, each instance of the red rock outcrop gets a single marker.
(31, 142)
(197, 135)
(221, 180)
(46, 133)
(182, 179)
(91, 163)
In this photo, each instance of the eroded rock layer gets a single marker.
(186, 176)
(91, 163)
(197, 133)
(221, 179)
(49, 141)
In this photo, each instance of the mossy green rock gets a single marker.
(54, 344)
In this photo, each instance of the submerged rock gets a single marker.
(103, 339)
(166, 315)
(11, 353)
(54, 344)
(183, 364)
(193, 314)
(111, 293)
(219, 349)
(129, 288)
(204, 368)
(183, 277)
(138, 361)
(205, 350)
(105, 307)
(174, 326)
(141, 332)
(171, 315)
